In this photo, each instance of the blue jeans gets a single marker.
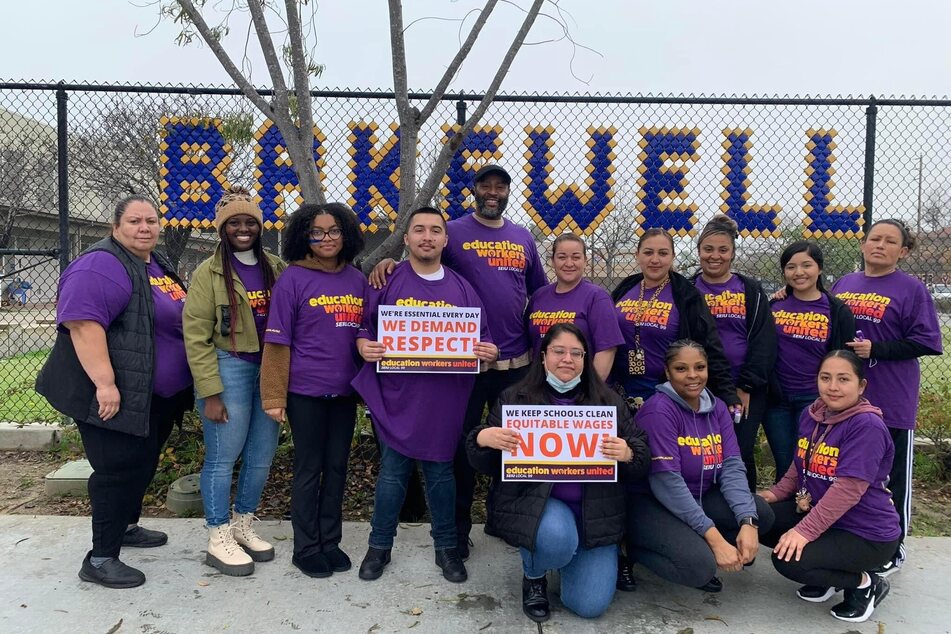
(249, 434)
(588, 576)
(781, 424)
(395, 470)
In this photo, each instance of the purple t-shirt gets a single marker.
(318, 315)
(503, 266)
(418, 415)
(858, 447)
(659, 322)
(802, 337)
(96, 287)
(693, 445)
(727, 304)
(260, 300)
(894, 306)
(587, 306)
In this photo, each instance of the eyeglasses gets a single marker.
(320, 234)
(576, 353)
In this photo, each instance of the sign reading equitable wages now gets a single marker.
(428, 339)
(559, 443)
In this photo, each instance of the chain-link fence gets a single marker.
(606, 167)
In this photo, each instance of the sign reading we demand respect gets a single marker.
(428, 339)
(559, 443)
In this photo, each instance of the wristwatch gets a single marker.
(749, 521)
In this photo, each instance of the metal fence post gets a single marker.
(871, 114)
(461, 111)
(62, 171)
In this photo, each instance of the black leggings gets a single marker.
(665, 545)
(322, 429)
(836, 559)
(747, 433)
(123, 467)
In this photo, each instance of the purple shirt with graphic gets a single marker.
(858, 447)
(659, 322)
(802, 337)
(587, 306)
(418, 415)
(318, 315)
(691, 444)
(260, 299)
(503, 266)
(96, 287)
(727, 304)
(894, 306)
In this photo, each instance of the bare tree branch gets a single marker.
(398, 48)
(271, 58)
(305, 112)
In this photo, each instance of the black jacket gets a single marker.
(130, 340)
(695, 323)
(841, 330)
(760, 337)
(518, 506)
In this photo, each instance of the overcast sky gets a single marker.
(814, 47)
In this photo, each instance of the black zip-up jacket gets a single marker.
(518, 506)
(695, 323)
(760, 337)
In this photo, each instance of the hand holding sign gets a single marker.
(485, 351)
(615, 448)
(371, 351)
(498, 438)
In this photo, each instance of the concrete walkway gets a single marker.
(40, 592)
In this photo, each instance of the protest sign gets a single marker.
(428, 339)
(559, 443)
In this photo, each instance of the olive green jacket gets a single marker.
(206, 321)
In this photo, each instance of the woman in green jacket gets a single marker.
(224, 320)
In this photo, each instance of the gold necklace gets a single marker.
(636, 360)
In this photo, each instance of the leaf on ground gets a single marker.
(203, 583)
(415, 623)
(373, 628)
(416, 611)
(686, 630)
(715, 618)
(115, 628)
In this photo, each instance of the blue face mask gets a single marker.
(562, 386)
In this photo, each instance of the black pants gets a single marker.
(486, 391)
(123, 467)
(836, 559)
(747, 433)
(899, 480)
(322, 429)
(664, 544)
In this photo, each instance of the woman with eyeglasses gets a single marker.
(574, 528)
(310, 357)
(896, 315)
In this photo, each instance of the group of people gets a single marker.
(693, 368)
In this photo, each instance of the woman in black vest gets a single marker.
(118, 368)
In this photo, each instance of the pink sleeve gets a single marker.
(842, 495)
(784, 489)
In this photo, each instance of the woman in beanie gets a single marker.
(225, 316)
(310, 357)
(744, 320)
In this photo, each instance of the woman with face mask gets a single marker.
(896, 315)
(744, 321)
(835, 520)
(571, 527)
(697, 515)
(809, 323)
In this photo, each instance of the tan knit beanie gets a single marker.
(236, 201)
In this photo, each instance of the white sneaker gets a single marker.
(225, 554)
(250, 541)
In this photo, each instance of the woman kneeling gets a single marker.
(571, 527)
(835, 520)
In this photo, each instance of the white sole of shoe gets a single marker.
(232, 570)
(874, 603)
(258, 555)
(888, 572)
(830, 592)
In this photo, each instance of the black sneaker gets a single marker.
(816, 594)
(338, 560)
(714, 585)
(374, 562)
(140, 537)
(463, 543)
(535, 599)
(861, 602)
(111, 574)
(625, 575)
(315, 565)
(451, 564)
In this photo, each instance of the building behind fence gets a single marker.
(605, 167)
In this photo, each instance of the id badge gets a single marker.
(636, 364)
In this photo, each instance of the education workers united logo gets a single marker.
(168, 286)
(710, 447)
(259, 301)
(726, 305)
(502, 255)
(809, 326)
(824, 460)
(649, 313)
(545, 319)
(868, 306)
(347, 310)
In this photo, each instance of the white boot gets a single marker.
(225, 554)
(259, 549)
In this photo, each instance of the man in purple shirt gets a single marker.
(500, 260)
(418, 417)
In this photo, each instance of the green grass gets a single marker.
(19, 403)
(936, 370)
